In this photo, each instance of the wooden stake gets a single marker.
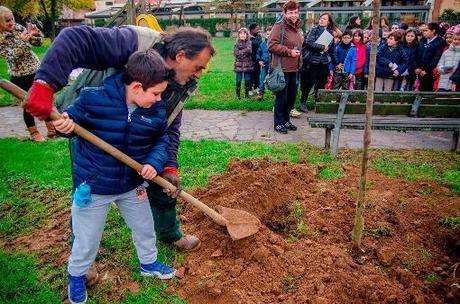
(361, 203)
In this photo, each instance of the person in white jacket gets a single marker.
(448, 63)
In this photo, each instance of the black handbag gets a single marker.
(275, 80)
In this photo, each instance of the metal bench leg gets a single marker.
(454, 141)
(327, 143)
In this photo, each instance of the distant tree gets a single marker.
(22, 8)
(49, 10)
(450, 15)
(233, 7)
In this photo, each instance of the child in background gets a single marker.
(455, 78)
(367, 37)
(263, 59)
(448, 63)
(391, 62)
(127, 113)
(356, 60)
(410, 46)
(341, 81)
(244, 65)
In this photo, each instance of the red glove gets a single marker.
(39, 102)
(172, 175)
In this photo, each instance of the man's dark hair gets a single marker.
(148, 68)
(188, 39)
(252, 26)
(433, 26)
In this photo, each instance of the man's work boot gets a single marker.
(187, 243)
(35, 135)
(51, 130)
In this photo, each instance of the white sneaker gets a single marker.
(295, 114)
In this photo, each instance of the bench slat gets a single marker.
(328, 96)
(393, 109)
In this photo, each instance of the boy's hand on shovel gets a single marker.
(148, 172)
(171, 175)
(64, 124)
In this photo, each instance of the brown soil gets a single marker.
(303, 253)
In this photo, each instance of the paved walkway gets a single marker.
(258, 126)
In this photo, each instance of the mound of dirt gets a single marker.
(303, 253)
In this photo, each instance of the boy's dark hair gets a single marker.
(433, 26)
(347, 32)
(252, 26)
(403, 26)
(291, 5)
(148, 68)
(188, 39)
(397, 36)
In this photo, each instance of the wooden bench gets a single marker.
(398, 111)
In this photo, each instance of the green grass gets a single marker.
(6, 98)
(29, 172)
(451, 222)
(19, 281)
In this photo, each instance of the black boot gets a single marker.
(238, 90)
(247, 88)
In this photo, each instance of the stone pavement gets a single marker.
(258, 126)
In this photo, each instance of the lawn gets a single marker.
(216, 87)
(35, 182)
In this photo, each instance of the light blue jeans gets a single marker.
(88, 225)
(263, 74)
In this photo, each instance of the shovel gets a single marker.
(240, 224)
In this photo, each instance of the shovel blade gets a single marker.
(240, 224)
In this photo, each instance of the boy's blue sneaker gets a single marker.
(76, 288)
(157, 269)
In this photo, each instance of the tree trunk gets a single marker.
(361, 203)
(53, 19)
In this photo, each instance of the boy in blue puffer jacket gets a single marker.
(263, 59)
(127, 113)
(341, 81)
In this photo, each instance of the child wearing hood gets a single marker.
(448, 63)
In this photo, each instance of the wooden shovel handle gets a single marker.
(90, 137)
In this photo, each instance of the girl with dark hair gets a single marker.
(384, 24)
(353, 23)
(391, 62)
(315, 67)
(410, 45)
(285, 49)
(355, 61)
(428, 54)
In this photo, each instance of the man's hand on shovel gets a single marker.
(171, 175)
